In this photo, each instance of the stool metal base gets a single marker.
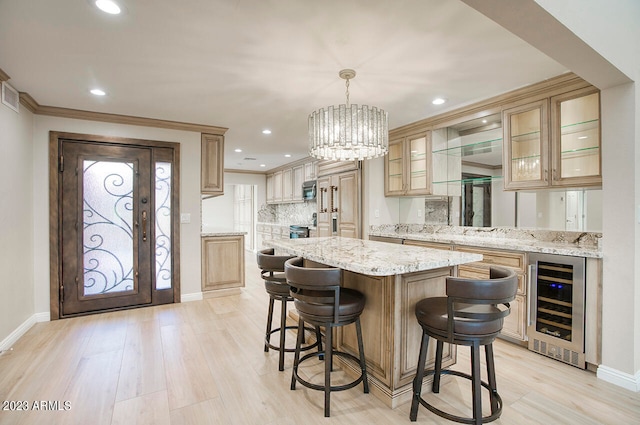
(283, 320)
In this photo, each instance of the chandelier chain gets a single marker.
(347, 92)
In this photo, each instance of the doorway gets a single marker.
(476, 200)
(115, 235)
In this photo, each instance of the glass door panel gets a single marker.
(395, 167)
(580, 136)
(526, 141)
(418, 167)
(163, 225)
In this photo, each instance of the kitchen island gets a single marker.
(393, 278)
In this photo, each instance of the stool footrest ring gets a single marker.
(333, 387)
(461, 419)
(290, 350)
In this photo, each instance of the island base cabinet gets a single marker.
(391, 333)
(222, 262)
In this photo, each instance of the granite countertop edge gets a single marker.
(221, 233)
(542, 247)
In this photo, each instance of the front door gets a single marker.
(114, 247)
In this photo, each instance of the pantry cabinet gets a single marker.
(553, 142)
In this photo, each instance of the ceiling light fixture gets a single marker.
(438, 101)
(266, 131)
(348, 132)
(263, 165)
(108, 6)
(237, 150)
(98, 92)
(287, 155)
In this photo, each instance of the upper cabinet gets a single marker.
(553, 142)
(212, 165)
(285, 184)
(407, 166)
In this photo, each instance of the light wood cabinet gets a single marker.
(310, 171)
(285, 185)
(212, 165)
(222, 262)
(339, 204)
(407, 166)
(560, 148)
(515, 324)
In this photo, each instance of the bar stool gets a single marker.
(272, 272)
(471, 314)
(321, 301)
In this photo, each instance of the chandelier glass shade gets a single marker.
(348, 132)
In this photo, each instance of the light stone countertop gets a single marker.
(370, 257)
(537, 246)
(220, 232)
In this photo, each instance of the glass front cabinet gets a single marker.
(553, 142)
(408, 166)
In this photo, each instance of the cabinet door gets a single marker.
(277, 186)
(526, 146)
(324, 215)
(270, 188)
(347, 202)
(418, 164)
(287, 184)
(575, 136)
(222, 262)
(212, 164)
(297, 180)
(394, 169)
(310, 171)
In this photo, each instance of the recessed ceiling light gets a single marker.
(108, 6)
(238, 150)
(286, 155)
(97, 92)
(583, 137)
(266, 131)
(484, 121)
(438, 101)
(263, 165)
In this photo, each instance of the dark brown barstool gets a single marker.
(471, 314)
(321, 301)
(272, 272)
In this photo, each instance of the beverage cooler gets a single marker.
(556, 311)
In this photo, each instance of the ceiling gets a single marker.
(249, 65)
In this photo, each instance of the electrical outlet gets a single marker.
(185, 218)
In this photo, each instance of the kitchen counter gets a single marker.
(371, 257)
(576, 244)
(215, 232)
(393, 279)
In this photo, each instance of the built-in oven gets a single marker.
(296, 232)
(556, 311)
(309, 190)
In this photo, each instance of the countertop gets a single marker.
(498, 240)
(220, 232)
(370, 257)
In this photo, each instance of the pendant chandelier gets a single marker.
(348, 132)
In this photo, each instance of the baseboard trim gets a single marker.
(621, 379)
(196, 296)
(14, 336)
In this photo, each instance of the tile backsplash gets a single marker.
(294, 213)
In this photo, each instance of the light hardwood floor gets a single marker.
(203, 363)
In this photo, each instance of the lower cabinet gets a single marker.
(222, 262)
(515, 324)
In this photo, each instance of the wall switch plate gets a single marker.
(376, 213)
(185, 218)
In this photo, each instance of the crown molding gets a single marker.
(28, 102)
(4, 76)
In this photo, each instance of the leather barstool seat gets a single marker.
(471, 314)
(272, 272)
(321, 301)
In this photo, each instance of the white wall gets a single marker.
(217, 212)
(16, 220)
(376, 209)
(189, 194)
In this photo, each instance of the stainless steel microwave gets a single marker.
(309, 190)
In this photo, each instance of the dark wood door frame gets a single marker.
(55, 270)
